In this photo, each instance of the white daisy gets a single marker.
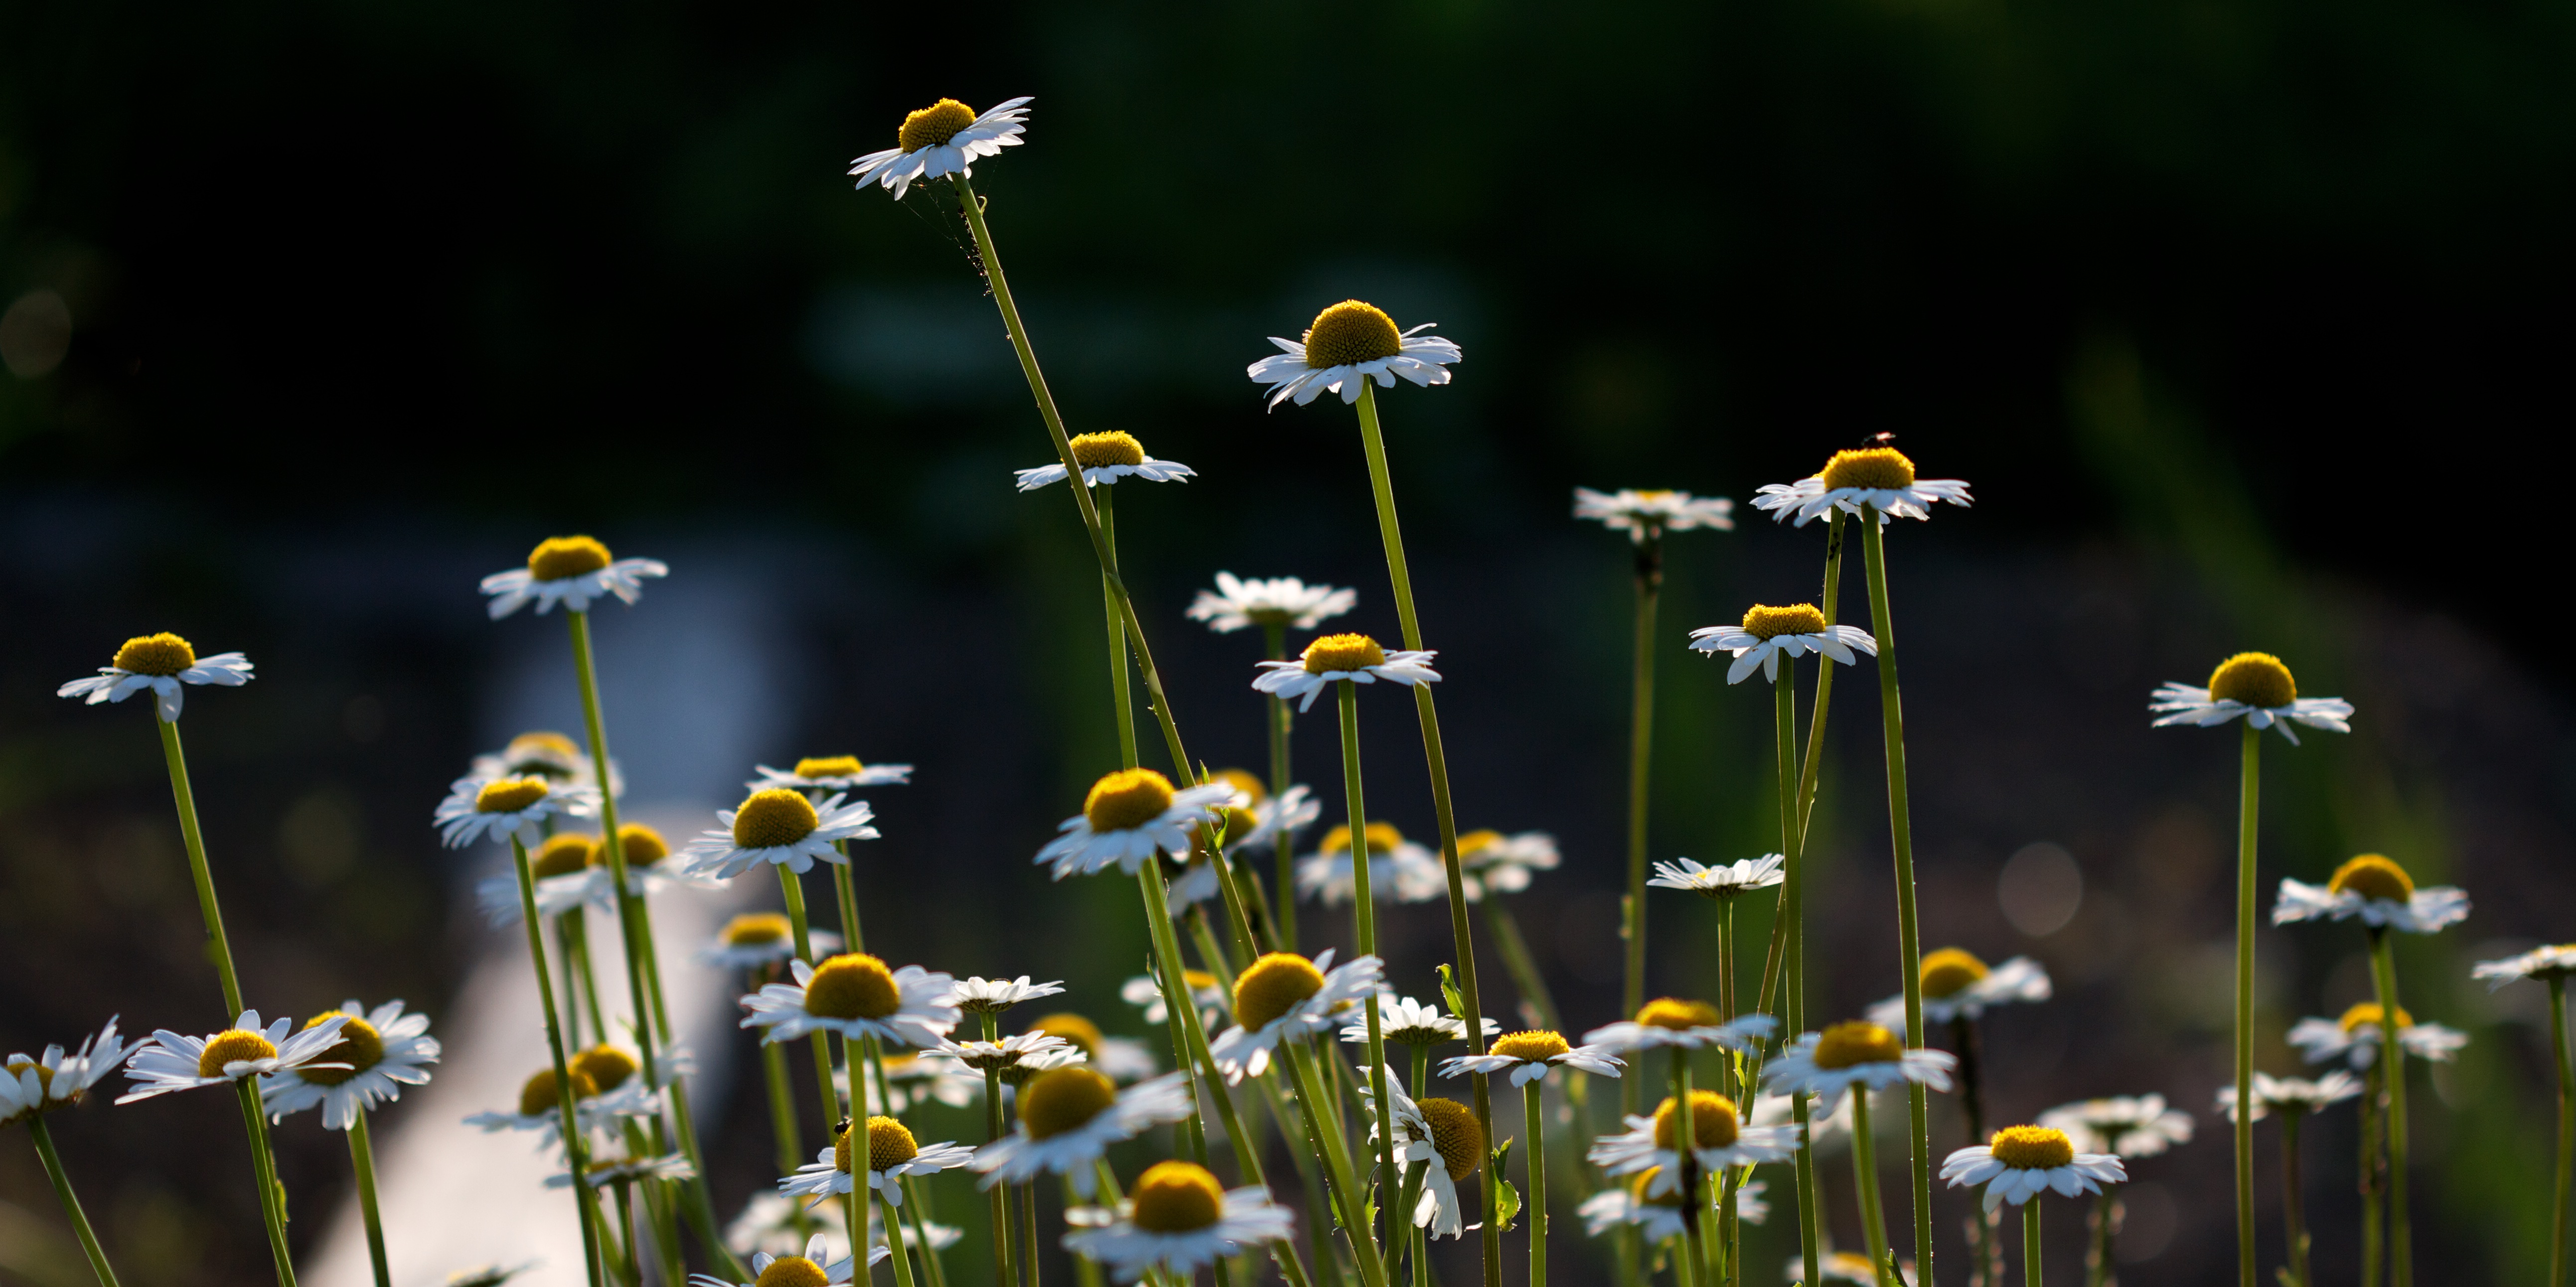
(1442, 1132)
(1531, 1056)
(1350, 344)
(2023, 1161)
(1826, 1130)
(834, 773)
(53, 1080)
(1399, 869)
(1843, 1267)
(1254, 820)
(1956, 985)
(1720, 1140)
(1284, 996)
(1406, 1021)
(160, 663)
(1106, 458)
(2354, 1038)
(1069, 1117)
(855, 995)
(1205, 989)
(1130, 816)
(2256, 685)
(1492, 860)
(572, 571)
(754, 940)
(774, 1223)
(2378, 891)
(1277, 601)
(891, 1156)
(2128, 1125)
(1658, 1219)
(509, 808)
(1879, 478)
(914, 1080)
(2541, 963)
(171, 1062)
(619, 1168)
(380, 1052)
(980, 995)
(650, 868)
(2291, 1094)
(1770, 633)
(808, 1270)
(1731, 880)
(1179, 1220)
(551, 756)
(780, 826)
(593, 1107)
(1002, 1055)
(1121, 1059)
(1692, 1025)
(1334, 658)
(940, 140)
(1827, 1063)
(1645, 514)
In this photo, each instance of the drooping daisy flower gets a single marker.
(623, 1168)
(756, 939)
(380, 1052)
(1334, 658)
(1532, 1055)
(1956, 985)
(1666, 1022)
(552, 756)
(2354, 1038)
(1179, 1220)
(572, 571)
(1069, 1117)
(2291, 1094)
(1733, 880)
(1770, 633)
(2256, 685)
(780, 826)
(54, 1080)
(1350, 344)
(1284, 996)
(510, 807)
(1128, 817)
(1002, 1055)
(1827, 1063)
(1106, 458)
(1405, 1021)
(808, 1270)
(1278, 601)
(1652, 513)
(2374, 888)
(171, 1062)
(1719, 1138)
(835, 773)
(1427, 1130)
(980, 995)
(1879, 478)
(1492, 860)
(1121, 1059)
(540, 1104)
(891, 1155)
(2023, 1161)
(913, 1080)
(1205, 989)
(1399, 870)
(855, 995)
(940, 140)
(2540, 963)
(2128, 1125)
(160, 663)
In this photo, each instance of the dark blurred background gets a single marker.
(2237, 316)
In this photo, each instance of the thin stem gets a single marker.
(1029, 1257)
(1106, 498)
(626, 1230)
(1284, 910)
(1641, 751)
(894, 1242)
(195, 837)
(2566, 1130)
(2401, 1228)
(1337, 1161)
(782, 1106)
(830, 1095)
(918, 1212)
(1900, 827)
(1364, 916)
(1811, 1217)
(71, 1202)
(2247, 810)
(1686, 1174)
(845, 886)
(362, 1156)
(2373, 1205)
(272, 1200)
(2029, 1243)
(1984, 1227)
(576, 1149)
(1536, 1164)
(2097, 1258)
(1873, 1217)
(2294, 1220)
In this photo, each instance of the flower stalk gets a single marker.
(362, 1157)
(2029, 1243)
(2248, 809)
(2401, 1237)
(1901, 832)
(1364, 916)
(62, 1181)
(190, 831)
(1534, 1122)
(1641, 751)
(2294, 1220)
(2566, 1130)
(576, 1151)
(272, 1199)
(1283, 925)
(1873, 1217)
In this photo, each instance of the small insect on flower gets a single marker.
(1128, 817)
(1719, 1141)
(160, 663)
(52, 1080)
(811, 1269)
(1278, 601)
(1644, 515)
(1177, 1219)
(1874, 478)
(1399, 869)
(2354, 1038)
(1431, 1129)
(1827, 1063)
(1769, 633)
(1492, 860)
(1731, 881)
(2378, 891)
(1068, 1119)
(380, 1052)
(1956, 985)
(855, 995)
(511, 808)
(889, 1155)
(170, 1061)
(2023, 1161)
(1283, 996)
(779, 826)
(2128, 1125)
(754, 940)
(2291, 1094)
(1350, 344)
(1105, 458)
(2256, 685)
(835, 773)
(2540, 963)
(1531, 1056)
(940, 140)
(1666, 1022)
(1338, 658)
(572, 571)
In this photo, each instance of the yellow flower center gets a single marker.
(1271, 985)
(538, 1097)
(642, 845)
(2032, 1148)
(557, 557)
(772, 818)
(560, 855)
(1198, 980)
(1064, 1099)
(853, 985)
(1476, 842)
(239, 1044)
(2368, 1012)
(791, 1271)
(1847, 1045)
(1093, 450)
(1382, 838)
(361, 1047)
(1876, 468)
(1078, 1032)
(1765, 622)
(757, 929)
(551, 754)
(2374, 876)
(1243, 780)
(1176, 1197)
(1713, 1121)
(1349, 332)
(829, 766)
(607, 1067)
(1677, 1014)
(1126, 800)
(1239, 823)
(930, 127)
(1535, 1046)
(1342, 652)
(161, 654)
(889, 1144)
(2257, 679)
(1455, 1135)
(1950, 969)
(509, 795)
(1643, 1189)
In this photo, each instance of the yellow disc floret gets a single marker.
(1382, 838)
(853, 985)
(2368, 1013)
(1848, 1045)
(757, 929)
(561, 855)
(1080, 1033)
(2257, 679)
(1064, 1099)
(557, 557)
(1350, 332)
(1126, 800)
(1677, 1014)
(1875, 468)
(1476, 842)
(551, 754)
(1243, 780)
(1269, 986)
(889, 1144)
(829, 766)
(642, 846)
(161, 654)
(538, 1097)
(772, 818)
(606, 1066)
(1950, 969)
(1095, 450)
(509, 795)
(1176, 1197)
(1455, 1135)
(1342, 652)
(930, 127)
(2032, 1148)
(361, 1047)
(1714, 1123)
(1763, 621)
(791, 1271)
(239, 1045)
(2374, 876)
(1643, 1189)
(1535, 1046)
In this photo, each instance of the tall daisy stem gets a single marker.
(190, 831)
(2401, 1235)
(1900, 827)
(272, 1199)
(2373, 1177)
(1985, 1228)
(2097, 1261)
(894, 1242)
(2248, 809)
(2294, 1219)
(1106, 498)
(1337, 1161)
(825, 1088)
(1534, 1122)
(1787, 945)
(1284, 911)
(1029, 1234)
(1364, 916)
(1641, 751)
(2566, 1130)
(2029, 1243)
(782, 1105)
(362, 1156)
(575, 1145)
(71, 1202)
(1873, 1216)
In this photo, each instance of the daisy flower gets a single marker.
(913, 1080)
(1531, 1056)
(2256, 685)
(648, 871)
(1350, 344)
(1427, 1130)
(1956, 985)
(755, 940)
(551, 756)
(1770, 633)
(619, 1168)
(1121, 1059)
(834, 773)
(1658, 1217)
(1647, 514)
(2377, 890)
(1879, 478)
(572, 571)
(1254, 820)
(1406, 1021)
(161, 663)
(1492, 860)
(855, 995)
(1178, 1219)
(1692, 1025)
(808, 1270)
(1277, 601)
(2354, 1038)
(1205, 989)
(1332, 658)
(1827, 1063)
(511, 808)
(54, 1079)
(1002, 1055)
(1283, 996)
(593, 1106)
(770, 1222)
(2022, 1161)
(780, 826)
(1842, 1267)
(2540, 963)
(1825, 1129)
(1106, 458)
(171, 1062)
(1068, 1119)
(891, 1155)
(2291, 1094)
(1128, 817)
(380, 1052)
(940, 140)
(1719, 1141)
(1399, 870)
(980, 995)
(2128, 1125)
(1732, 880)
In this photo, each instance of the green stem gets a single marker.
(2373, 1204)
(2029, 1243)
(1900, 827)
(894, 1242)
(1029, 1233)
(1284, 911)
(218, 946)
(576, 1150)
(830, 1095)
(2247, 810)
(71, 1202)
(1001, 1193)
(272, 1200)
(1106, 498)
(2294, 1221)
(1364, 916)
(1086, 1271)
(362, 1155)
(1811, 1220)
(1536, 1163)
(574, 927)
(626, 1230)
(1337, 1161)
(919, 1214)
(1873, 1217)
(2566, 1130)
(1180, 1009)
(1641, 751)
(2401, 1235)
(1328, 1268)
(782, 1107)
